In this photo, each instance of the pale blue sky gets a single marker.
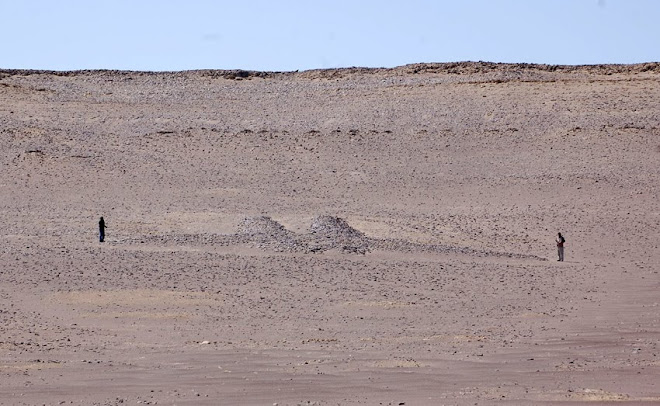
(299, 35)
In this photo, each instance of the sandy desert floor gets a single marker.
(337, 237)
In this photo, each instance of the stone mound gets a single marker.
(329, 232)
(269, 234)
(334, 227)
(260, 225)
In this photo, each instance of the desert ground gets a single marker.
(331, 237)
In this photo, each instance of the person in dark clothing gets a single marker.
(101, 229)
(560, 246)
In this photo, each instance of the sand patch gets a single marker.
(32, 365)
(198, 222)
(384, 304)
(440, 234)
(440, 338)
(139, 315)
(297, 223)
(134, 297)
(397, 363)
(462, 338)
(532, 315)
(598, 395)
(373, 228)
(380, 229)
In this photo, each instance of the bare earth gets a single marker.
(338, 237)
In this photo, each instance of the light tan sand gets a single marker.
(219, 283)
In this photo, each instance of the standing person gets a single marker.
(101, 229)
(560, 246)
